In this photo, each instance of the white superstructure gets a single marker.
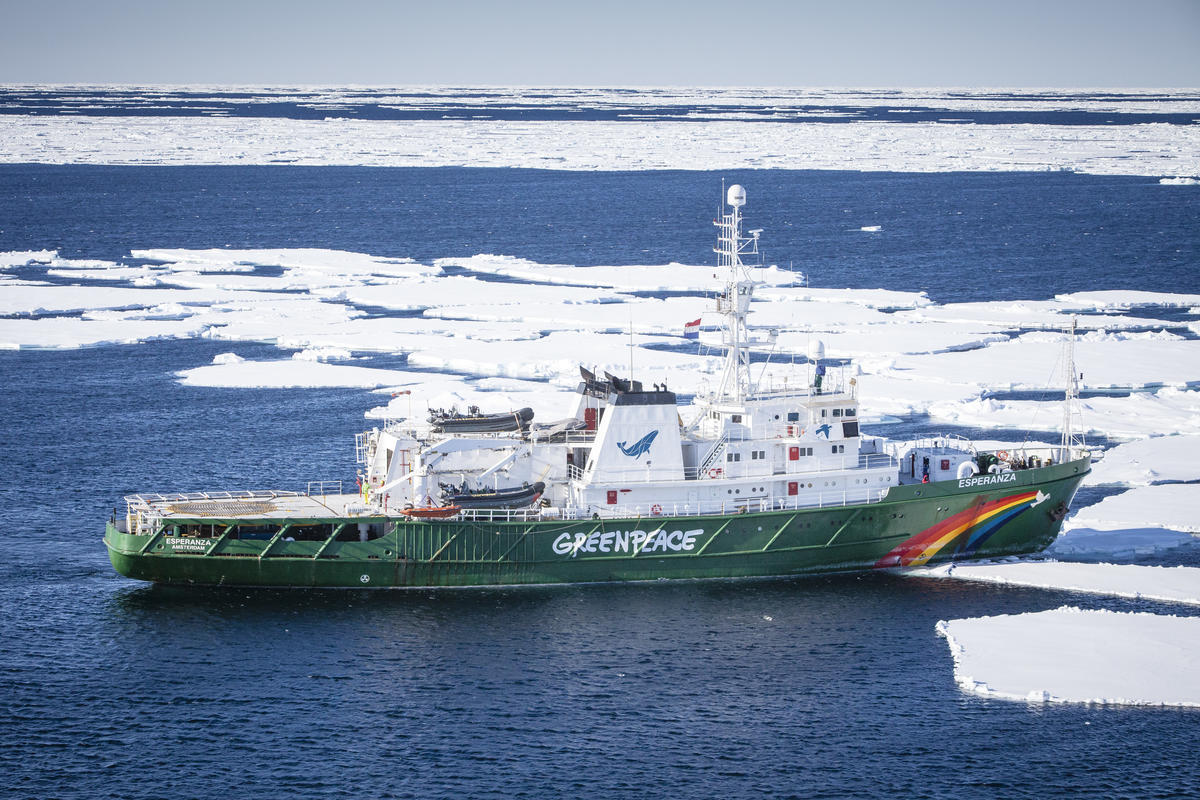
(628, 451)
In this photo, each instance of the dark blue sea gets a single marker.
(816, 687)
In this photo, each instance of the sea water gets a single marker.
(810, 687)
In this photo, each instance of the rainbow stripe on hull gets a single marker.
(967, 530)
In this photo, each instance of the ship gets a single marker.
(748, 479)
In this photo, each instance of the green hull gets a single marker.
(983, 517)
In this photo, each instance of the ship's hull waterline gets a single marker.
(985, 517)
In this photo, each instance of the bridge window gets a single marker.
(793, 416)
(837, 412)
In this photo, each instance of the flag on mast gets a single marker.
(691, 330)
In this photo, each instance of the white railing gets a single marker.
(323, 488)
(748, 505)
(655, 510)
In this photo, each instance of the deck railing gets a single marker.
(656, 511)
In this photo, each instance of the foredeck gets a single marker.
(249, 504)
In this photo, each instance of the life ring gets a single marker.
(715, 472)
(1002, 455)
(656, 509)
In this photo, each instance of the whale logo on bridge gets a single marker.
(824, 430)
(639, 447)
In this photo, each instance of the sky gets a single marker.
(856, 43)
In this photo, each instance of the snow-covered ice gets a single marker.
(1107, 361)
(1080, 543)
(1136, 416)
(1152, 149)
(662, 277)
(1149, 461)
(1167, 584)
(1170, 505)
(1069, 655)
(293, 372)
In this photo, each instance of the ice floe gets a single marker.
(1151, 149)
(1136, 416)
(1106, 360)
(1170, 505)
(291, 373)
(660, 278)
(910, 355)
(1070, 655)
(1038, 314)
(453, 290)
(1168, 584)
(1148, 461)
(50, 299)
(19, 258)
(1078, 543)
(57, 333)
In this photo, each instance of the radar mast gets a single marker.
(734, 301)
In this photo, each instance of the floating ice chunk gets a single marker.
(668, 277)
(1179, 181)
(1107, 360)
(227, 358)
(1140, 415)
(873, 341)
(1169, 584)
(1073, 656)
(138, 276)
(871, 298)
(69, 333)
(1128, 298)
(810, 315)
(1089, 544)
(1037, 314)
(561, 353)
(1149, 461)
(646, 315)
(885, 393)
(19, 258)
(164, 311)
(1171, 505)
(454, 290)
(50, 299)
(871, 228)
(337, 327)
(340, 262)
(292, 373)
(322, 354)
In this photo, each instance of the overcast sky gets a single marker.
(856, 43)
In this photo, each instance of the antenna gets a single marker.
(631, 348)
(1072, 438)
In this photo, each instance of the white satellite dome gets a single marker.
(816, 350)
(736, 196)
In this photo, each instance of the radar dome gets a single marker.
(816, 350)
(736, 196)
